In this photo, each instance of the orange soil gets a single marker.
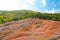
(30, 29)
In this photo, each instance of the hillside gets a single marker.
(8, 16)
(30, 29)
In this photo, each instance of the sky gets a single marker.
(50, 6)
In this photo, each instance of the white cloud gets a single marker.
(8, 4)
(24, 4)
(15, 4)
(43, 2)
(51, 11)
(32, 2)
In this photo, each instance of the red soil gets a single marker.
(30, 29)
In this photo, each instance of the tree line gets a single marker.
(7, 16)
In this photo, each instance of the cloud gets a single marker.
(43, 2)
(16, 4)
(26, 4)
(8, 4)
(51, 11)
(32, 2)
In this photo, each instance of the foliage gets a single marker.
(6, 16)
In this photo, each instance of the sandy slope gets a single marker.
(30, 29)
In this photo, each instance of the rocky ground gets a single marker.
(30, 29)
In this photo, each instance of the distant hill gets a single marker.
(6, 16)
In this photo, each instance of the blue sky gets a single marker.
(50, 6)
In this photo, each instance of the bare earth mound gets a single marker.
(30, 29)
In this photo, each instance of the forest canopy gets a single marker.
(7, 16)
